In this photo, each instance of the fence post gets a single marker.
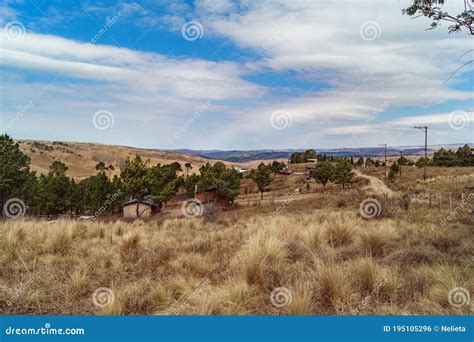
(430, 199)
(440, 200)
(450, 202)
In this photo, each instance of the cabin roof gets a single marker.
(149, 202)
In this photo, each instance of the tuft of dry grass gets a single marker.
(375, 240)
(339, 233)
(365, 274)
(261, 259)
(331, 286)
(130, 248)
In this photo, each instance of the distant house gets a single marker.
(212, 196)
(240, 169)
(313, 160)
(146, 208)
(283, 172)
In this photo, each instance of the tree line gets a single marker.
(56, 193)
(463, 156)
(324, 172)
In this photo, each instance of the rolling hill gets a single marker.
(238, 156)
(81, 158)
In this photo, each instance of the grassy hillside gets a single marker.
(81, 158)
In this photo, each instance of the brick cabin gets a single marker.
(212, 195)
(146, 208)
(283, 173)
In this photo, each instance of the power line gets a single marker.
(400, 164)
(424, 129)
(385, 159)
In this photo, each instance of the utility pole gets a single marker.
(400, 165)
(424, 129)
(385, 159)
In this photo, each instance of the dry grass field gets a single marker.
(310, 254)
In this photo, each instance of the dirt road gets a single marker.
(376, 185)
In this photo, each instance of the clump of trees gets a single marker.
(218, 176)
(402, 161)
(464, 156)
(369, 162)
(341, 173)
(140, 181)
(302, 157)
(277, 166)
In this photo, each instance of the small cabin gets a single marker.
(146, 208)
(283, 173)
(212, 195)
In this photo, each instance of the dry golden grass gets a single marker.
(440, 179)
(329, 258)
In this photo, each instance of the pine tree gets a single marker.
(342, 172)
(16, 179)
(323, 173)
(262, 177)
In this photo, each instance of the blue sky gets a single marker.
(218, 74)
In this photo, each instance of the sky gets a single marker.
(221, 74)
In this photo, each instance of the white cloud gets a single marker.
(183, 78)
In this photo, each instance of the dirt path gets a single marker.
(376, 185)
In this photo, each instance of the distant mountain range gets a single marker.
(238, 156)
